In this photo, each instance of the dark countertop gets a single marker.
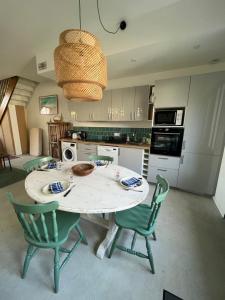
(128, 145)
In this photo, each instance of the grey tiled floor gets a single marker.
(189, 258)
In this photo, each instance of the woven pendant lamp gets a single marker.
(81, 68)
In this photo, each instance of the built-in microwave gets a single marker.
(169, 116)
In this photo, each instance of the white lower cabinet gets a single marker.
(85, 150)
(166, 166)
(170, 174)
(164, 161)
(198, 173)
(131, 158)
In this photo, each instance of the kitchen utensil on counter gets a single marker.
(83, 135)
(74, 135)
(68, 133)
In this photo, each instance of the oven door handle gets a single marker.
(168, 133)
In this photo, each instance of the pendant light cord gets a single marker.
(100, 20)
(80, 14)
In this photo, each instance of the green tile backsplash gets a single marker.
(101, 133)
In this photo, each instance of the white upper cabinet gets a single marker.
(103, 108)
(172, 92)
(127, 104)
(117, 104)
(141, 103)
(128, 96)
(204, 118)
(130, 104)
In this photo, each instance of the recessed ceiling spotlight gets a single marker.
(197, 46)
(214, 61)
(133, 60)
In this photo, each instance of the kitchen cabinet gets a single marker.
(128, 96)
(163, 161)
(130, 104)
(79, 111)
(204, 134)
(131, 158)
(105, 109)
(170, 174)
(127, 104)
(204, 118)
(166, 166)
(172, 92)
(198, 173)
(117, 105)
(85, 150)
(141, 103)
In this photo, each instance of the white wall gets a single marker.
(34, 118)
(219, 197)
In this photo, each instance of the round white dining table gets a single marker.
(99, 192)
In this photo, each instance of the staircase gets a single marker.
(15, 94)
(15, 91)
(23, 92)
(7, 87)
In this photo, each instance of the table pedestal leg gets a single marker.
(105, 244)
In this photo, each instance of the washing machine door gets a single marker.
(68, 154)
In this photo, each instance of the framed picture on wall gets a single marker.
(48, 105)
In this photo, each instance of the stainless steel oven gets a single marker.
(167, 141)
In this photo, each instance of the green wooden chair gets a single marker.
(103, 158)
(142, 220)
(46, 227)
(36, 163)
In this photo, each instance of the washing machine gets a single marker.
(69, 151)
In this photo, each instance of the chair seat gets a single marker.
(65, 221)
(135, 218)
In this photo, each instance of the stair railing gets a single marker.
(7, 87)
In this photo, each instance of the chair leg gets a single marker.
(154, 236)
(114, 242)
(81, 235)
(133, 241)
(56, 270)
(10, 166)
(27, 260)
(150, 257)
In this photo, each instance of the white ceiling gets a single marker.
(161, 34)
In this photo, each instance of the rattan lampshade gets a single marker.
(80, 66)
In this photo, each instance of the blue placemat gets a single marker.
(51, 165)
(131, 182)
(55, 187)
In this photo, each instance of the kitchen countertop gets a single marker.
(137, 146)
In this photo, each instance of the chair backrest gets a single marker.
(101, 158)
(161, 191)
(30, 215)
(36, 163)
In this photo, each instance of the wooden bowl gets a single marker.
(83, 169)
